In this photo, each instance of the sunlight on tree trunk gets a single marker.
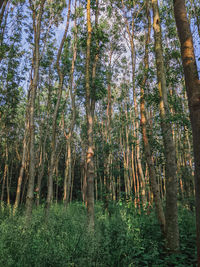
(172, 231)
(193, 92)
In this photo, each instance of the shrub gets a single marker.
(126, 238)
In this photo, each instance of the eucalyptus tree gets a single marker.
(94, 91)
(72, 92)
(55, 114)
(193, 92)
(112, 53)
(179, 116)
(144, 126)
(37, 13)
(90, 106)
(172, 231)
(10, 90)
(131, 13)
(45, 102)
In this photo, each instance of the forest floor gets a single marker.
(125, 238)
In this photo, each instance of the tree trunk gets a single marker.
(147, 148)
(69, 136)
(44, 135)
(131, 34)
(193, 92)
(24, 158)
(68, 174)
(172, 231)
(20, 178)
(55, 115)
(33, 88)
(89, 115)
(90, 108)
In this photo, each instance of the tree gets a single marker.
(1, 3)
(55, 114)
(172, 231)
(90, 105)
(193, 92)
(69, 136)
(147, 147)
(33, 87)
(10, 91)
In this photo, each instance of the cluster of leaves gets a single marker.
(125, 238)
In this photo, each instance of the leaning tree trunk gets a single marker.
(172, 231)
(193, 92)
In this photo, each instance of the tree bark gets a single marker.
(172, 231)
(43, 140)
(90, 108)
(69, 136)
(147, 148)
(90, 152)
(55, 115)
(131, 35)
(33, 88)
(193, 92)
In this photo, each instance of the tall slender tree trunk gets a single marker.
(131, 34)
(20, 178)
(44, 135)
(84, 177)
(5, 174)
(172, 231)
(33, 87)
(90, 108)
(24, 158)
(193, 92)
(55, 115)
(69, 136)
(147, 148)
(107, 173)
(89, 115)
(72, 171)
(68, 174)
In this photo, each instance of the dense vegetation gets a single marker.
(99, 133)
(126, 238)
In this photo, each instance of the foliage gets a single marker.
(123, 239)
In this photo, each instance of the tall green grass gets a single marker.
(125, 238)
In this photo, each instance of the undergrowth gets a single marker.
(125, 238)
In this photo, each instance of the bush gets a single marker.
(125, 238)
